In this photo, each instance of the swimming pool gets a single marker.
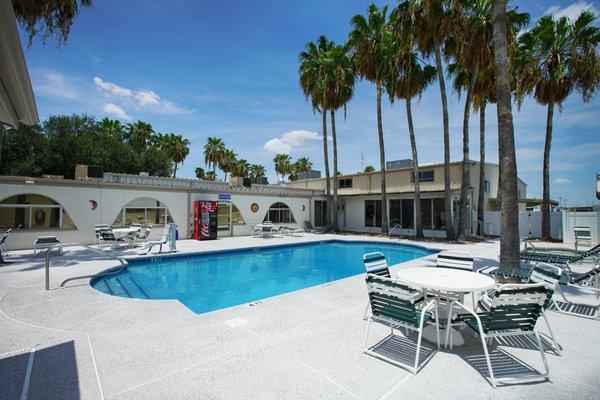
(211, 281)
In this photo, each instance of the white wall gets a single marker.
(76, 202)
(530, 224)
(571, 219)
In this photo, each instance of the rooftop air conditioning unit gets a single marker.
(86, 172)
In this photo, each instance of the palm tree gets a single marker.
(256, 171)
(303, 164)
(507, 191)
(312, 84)
(213, 152)
(139, 133)
(200, 173)
(471, 47)
(176, 147)
(409, 78)
(368, 169)
(556, 57)
(240, 168)
(111, 127)
(370, 40)
(228, 161)
(283, 164)
(211, 176)
(340, 78)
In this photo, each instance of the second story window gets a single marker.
(424, 176)
(345, 183)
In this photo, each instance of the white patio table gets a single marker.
(266, 230)
(445, 280)
(123, 233)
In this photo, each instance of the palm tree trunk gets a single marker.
(384, 219)
(327, 175)
(481, 194)
(546, 175)
(175, 171)
(447, 194)
(413, 146)
(509, 206)
(335, 174)
(465, 214)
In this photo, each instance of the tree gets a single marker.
(240, 168)
(555, 58)
(471, 48)
(228, 161)
(176, 147)
(432, 20)
(370, 40)
(111, 127)
(256, 171)
(200, 173)
(213, 152)
(368, 169)
(303, 164)
(283, 164)
(408, 78)
(312, 83)
(48, 17)
(507, 191)
(139, 134)
(211, 176)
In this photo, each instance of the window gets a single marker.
(486, 186)
(320, 213)
(279, 213)
(424, 176)
(408, 214)
(33, 211)
(143, 211)
(395, 213)
(426, 213)
(345, 183)
(439, 214)
(236, 216)
(373, 213)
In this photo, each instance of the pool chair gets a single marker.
(454, 260)
(514, 311)
(3, 238)
(142, 235)
(255, 230)
(582, 234)
(107, 237)
(97, 229)
(375, 264)
(310, 228)
(563, 260)
(395, 303)
(45, 242)
(165, 238)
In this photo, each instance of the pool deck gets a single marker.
(78, 343)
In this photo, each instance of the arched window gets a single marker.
(143, 211)
(279, 213)
(33, 211)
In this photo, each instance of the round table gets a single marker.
(446, 280)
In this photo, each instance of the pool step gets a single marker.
(124, 286)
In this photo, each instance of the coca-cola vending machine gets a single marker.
(205, 220)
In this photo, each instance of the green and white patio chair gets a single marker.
(563, 260)
(515, 310)
(395, 303)
(582, 234)
(375, 264)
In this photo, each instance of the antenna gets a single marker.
(362, 162)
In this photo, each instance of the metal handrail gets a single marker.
(123, 262)
(392, 230)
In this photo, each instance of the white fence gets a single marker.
(530, 224)
(571, 219)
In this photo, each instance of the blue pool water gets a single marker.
(212, 281)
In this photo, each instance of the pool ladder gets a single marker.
(392, 230)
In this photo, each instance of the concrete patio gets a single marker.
(78, 343)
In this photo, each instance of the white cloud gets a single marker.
(289, 140)
(562, 181)
(143, 99)
(112, 88)
(572, 11)
(54, 84)
(277, 145)
(116, 111)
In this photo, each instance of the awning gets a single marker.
(17, 104)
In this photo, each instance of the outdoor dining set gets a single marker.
(129, 236)
(268, 230)
(431, 301)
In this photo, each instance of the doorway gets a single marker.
(223, 219)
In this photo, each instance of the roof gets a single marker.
(17, 103)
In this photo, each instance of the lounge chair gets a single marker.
(165, 238)
(395, 303)
(255, 231)
(106, 236)
(582, 234)
(563, 260)
(142, 235)
(310, 228)
(515, 310)
(45, 242)
(375, 264)
(3, 238)
(97, 229)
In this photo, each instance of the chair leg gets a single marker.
(487, 358)
(449, 325)
(539, 343)
(554, 341)
(419, 339)
(366, 311)
(437, 322)
(367, 333)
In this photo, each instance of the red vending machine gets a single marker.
(205, 220)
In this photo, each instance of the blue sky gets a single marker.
(229, 69)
